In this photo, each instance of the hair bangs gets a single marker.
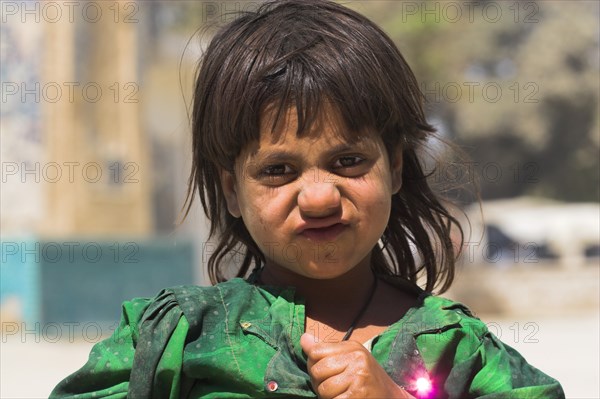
(318, 91)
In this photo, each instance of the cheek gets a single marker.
(372, 190)
(373, 200)
(263, 208)
(379, 206)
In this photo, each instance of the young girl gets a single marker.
(307, 125)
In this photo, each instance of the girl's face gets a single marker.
(316, 205)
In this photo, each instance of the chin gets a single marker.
(325, 271)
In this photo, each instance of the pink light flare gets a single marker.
(424, 387)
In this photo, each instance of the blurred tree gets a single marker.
(515, 83)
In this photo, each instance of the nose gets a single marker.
(318, 198)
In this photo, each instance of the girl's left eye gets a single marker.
(276, 170)
(276, 175)
(348, 162)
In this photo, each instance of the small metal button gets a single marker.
(245, 324)
(416, 352)
(272, 386)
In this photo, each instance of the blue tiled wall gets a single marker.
(81, 281)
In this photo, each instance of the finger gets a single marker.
(308, 342)
(333, 387)
(328, 367)
(317, 350)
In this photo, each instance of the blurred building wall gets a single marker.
(99, 133)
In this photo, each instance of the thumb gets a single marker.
(308, 342)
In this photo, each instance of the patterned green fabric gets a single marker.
(235, 339)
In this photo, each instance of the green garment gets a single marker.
(239, 340)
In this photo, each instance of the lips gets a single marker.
(327, 233)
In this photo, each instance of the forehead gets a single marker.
(278, 127)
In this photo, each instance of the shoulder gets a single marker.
(190, 302)
(431, 314)
(441, 326)
(182, 294)
(208, 295)
(439, 314)
(447, 308)
(200, 302)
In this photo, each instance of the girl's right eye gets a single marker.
(276, 174)
(276, 170)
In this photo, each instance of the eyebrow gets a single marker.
(282, 155)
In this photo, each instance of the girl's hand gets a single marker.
(347, 370)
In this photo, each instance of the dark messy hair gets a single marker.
(303, 53)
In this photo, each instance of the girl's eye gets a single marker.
(276, 170)
(348, 162)
(276, 174)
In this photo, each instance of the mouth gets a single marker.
(328, 233)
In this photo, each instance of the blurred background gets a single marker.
(95, 157)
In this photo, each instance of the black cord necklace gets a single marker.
(362, 311)
(359, 314)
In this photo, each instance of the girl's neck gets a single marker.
(347, 291)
